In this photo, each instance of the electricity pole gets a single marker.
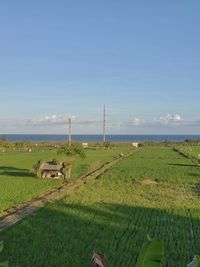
(104, 124)
(70, 132)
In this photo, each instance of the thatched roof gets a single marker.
(50, 166)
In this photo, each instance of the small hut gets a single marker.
(85, 145)
(50, 169)
(136, 144)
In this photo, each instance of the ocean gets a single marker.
(98, 138)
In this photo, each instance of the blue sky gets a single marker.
(61, 58)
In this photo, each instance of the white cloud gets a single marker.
(170, 123)
(60, 120)
(48, 120)
(170, 119)
(136, 121)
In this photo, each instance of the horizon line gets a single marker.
(183, 134)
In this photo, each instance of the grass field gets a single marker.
(193, 150)
(18, 182)
(155, 192)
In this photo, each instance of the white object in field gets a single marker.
(85, 145)
(135, 144)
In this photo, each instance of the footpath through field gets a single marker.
(19, 212)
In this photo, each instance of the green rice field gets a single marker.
(155, 191)
(193, 150)
(17, 179)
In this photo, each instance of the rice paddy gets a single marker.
(18, 182)
(155, 192)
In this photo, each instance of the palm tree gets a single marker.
(36, 168)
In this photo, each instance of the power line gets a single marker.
(70, 131)
(104, 124)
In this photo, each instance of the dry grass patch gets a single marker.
(148, 182)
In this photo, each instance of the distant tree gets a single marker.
(22, 145)
(19, 145)
(3, 139)
(108, 145)
(70, 151)
(98, 145)
(4, 143)
(188, 141)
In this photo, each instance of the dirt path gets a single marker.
(17, 213)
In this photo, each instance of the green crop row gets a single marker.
(151, 255)
(187, 152)
(154, 191)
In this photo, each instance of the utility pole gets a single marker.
(70, 132)
(104, 124)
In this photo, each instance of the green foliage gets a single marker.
(71, 150)
(55, 161)
(151, 254)
(4, 143)
(195, 262)
(22, 145)
(108, 145)
(112, 214)
(67, 168)
(97, 145)
(5, 263)
(36, 168)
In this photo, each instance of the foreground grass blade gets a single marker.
(3, 264)
(1, 246)
(151, 254)
(195, 262)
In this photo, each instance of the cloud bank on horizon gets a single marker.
(57, 124)
(169, 119)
